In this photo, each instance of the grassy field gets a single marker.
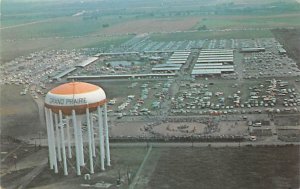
(153, 25)
(68, 26)
(124, 160)
(15, 48)
(28, 26)
(228, 168)
(197, 35)
(290, 39)
(239, 22)
(18, 114)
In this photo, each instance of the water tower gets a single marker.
(75, 113)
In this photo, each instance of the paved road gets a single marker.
(137, 176)
(24, 181)
(10, 153)
(25, 24)
(203, 144)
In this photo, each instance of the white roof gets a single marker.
(177, 59)
(213, 67)
(167, 65)
(64, 73)
(87, 62)
(209, 64)
(166, 69)
(215, 60)
(176, 62)
(209, 71)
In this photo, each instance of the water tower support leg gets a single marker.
(92, 133)
(62, 135)
(80, 140)
(88, 120)
(68, 137)
(76, 142)
(49, 139)
(101, 140)
(106, 136)
(53, 142)
(57, 137)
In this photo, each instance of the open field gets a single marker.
(236, 34)
(19, 114)
(23, 47)
(27, 27)
(58, 27)
(124, 161)
(290, 39)
(225, 168)
(152, 25)
(181, 167)
(241, 21)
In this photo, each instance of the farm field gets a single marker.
(212, 168)
(241, 21)
(19, 114)
(152, 25)
(87, 25)
(125, 161)
(22, 47)
(196, 35)
(290, 39)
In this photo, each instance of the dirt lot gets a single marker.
(290, 39)
(152, 25)
(226, 168)
(124, 160)
(287, 120)
(288, 127)
(18, 114)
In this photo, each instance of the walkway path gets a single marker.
(137, 176)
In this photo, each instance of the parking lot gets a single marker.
(216, 97)
(142, 98)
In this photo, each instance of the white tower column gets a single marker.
(53, 142)
(101, 139)
(88, 120)
(80, 140)
(106, 136)
(93, 138)
(57, 137)
(76, 142)
(68, 137)
(62, 135)
(49, 138)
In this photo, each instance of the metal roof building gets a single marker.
(211, 62)
(115, 53)
(64, 73)
(215, 60)
(199, 66)
(281, 50)
(179, 57)
(166, 67)
(251, 50)
(91, 77)
(205, 72)
(198, 72)
(215, 56)
(176, 62)
(171, 69)
(87, 62)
